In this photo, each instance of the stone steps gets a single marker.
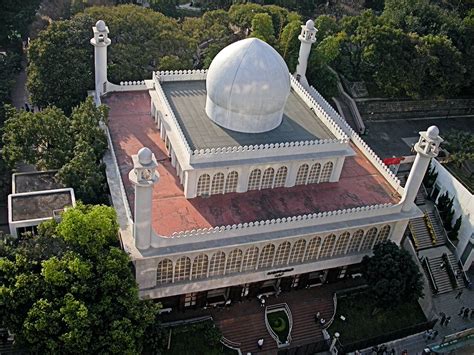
(441, 276)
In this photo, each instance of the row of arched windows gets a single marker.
(263, 179)
(269, 256)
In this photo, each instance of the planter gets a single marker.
(279, 322)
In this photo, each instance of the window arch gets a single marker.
(164, 273)
(231, 182)
(327, 171)
(280, 177)
(383, 234)
(356, 241)
(297, 252)
(267, 180)
(313, 176)
(341, 244)
(217, 186)
(217, 263)
(254, 179)
(182, 269)
(328, 246)
(369, 239)
(200, 264)
(312, 250)
(266, 256)
(282, 254)
(203, 185)
(250, 259)
(234, 260)
(302, 174)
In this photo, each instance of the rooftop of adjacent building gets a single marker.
(132, 127)
(41, 205)
(188, 99)
(35, 181)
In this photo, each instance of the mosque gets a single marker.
(242, 180)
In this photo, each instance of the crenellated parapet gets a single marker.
(293, 222)
(180, 75)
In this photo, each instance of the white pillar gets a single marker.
(143, 176)
(100, 43)
(337, 170)
(426, 148)
(307, 38)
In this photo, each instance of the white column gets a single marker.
(426, 148)
(242, 184)
(397, 232)
(307, 38)
(336, 171)
(190, 184)
(292, 172)
(143, 176)
(100, 43)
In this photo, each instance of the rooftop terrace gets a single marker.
(188, 101)
(42, 205)
(132, 127)
(35, 181)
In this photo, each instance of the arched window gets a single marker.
(356, 241)
(200, 264)
(203, 185)
(280, 177)
(326, 173)
(217, 263)
(254, 179)
(369, 239)
(282, 254)
(267, 180)
(297, 252)
(266, 256)
(313, 176)
(217, 186)
(341, 243)
(383, 234)
(234, 260)
(312, 250)
(250, 259)
(231, 182)
(328, 245)
(182, 269)
(164, 273)
(302, 174)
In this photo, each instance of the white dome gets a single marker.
(145, 156)
(100, 25)
(310, 24)
(432, 132)
(247, 86)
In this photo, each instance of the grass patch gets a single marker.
(280, 324)
(363, 323)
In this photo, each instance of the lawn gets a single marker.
(363, 323)
(280, 324)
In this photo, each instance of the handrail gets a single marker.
(430, 272)
(445, 235)
(450, 271)
(290, 320)
(334, 300)
(230, 344)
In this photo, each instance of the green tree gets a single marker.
(15, 18)
(70, 290)
(262, 28)
(327, 26)
(392, 275)
(166, 7)
(454, 232)
(40, 138)
(460, 145)
(289, 44)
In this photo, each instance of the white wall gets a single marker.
(463, 205)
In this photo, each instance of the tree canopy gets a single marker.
(50, 140)
(70, 289)
(392, 275)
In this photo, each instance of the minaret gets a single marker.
(100, 42)
(307, 38)
(426, 148)
(143, 176)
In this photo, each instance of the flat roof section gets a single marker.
(35, 206)
(188, 101)
(36, 181)
(131, 127)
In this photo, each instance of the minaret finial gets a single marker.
(426, 149)
(100, 42)
(143, 176)
(307, 38)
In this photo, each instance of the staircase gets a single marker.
(420, 231)
(438, 228)
(440, 275)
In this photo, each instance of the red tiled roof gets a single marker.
(132, 127)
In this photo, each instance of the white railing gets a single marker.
(274, 308)
(180, 75)
(295, 221)
(359, 142)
